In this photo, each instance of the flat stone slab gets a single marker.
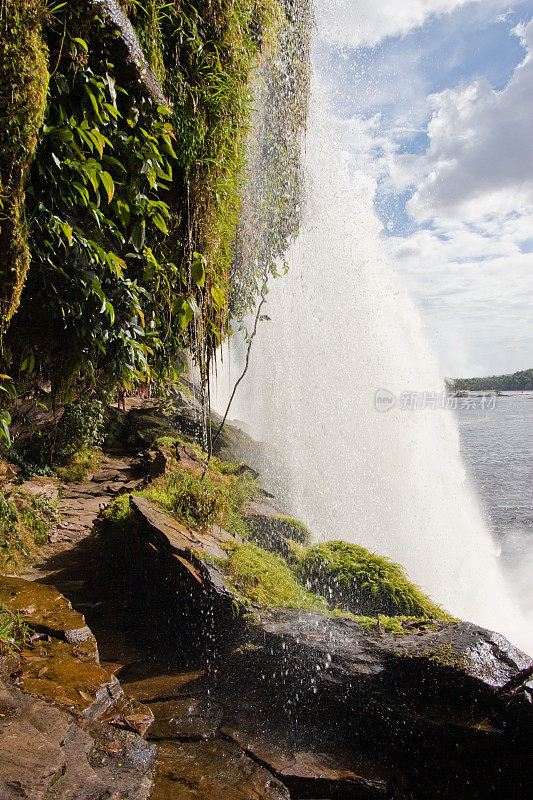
(216, 770)
(309, 772)
(165, 686)
(45, 610)
(186, 718)
(170, 534)
(46, 753)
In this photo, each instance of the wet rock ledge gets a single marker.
(67, 730)
(329, 708)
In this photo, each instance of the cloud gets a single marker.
(367, 22)
(474, 293)
(480, 149)
(451, 171)
(470, 265)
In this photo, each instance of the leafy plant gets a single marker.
(24, 521)
(14, 633)
(202, 500)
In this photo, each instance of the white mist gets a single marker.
(340, 329)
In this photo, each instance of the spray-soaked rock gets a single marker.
(438, 708)
(67, 730)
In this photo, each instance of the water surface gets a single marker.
(497, 446)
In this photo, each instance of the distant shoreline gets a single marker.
(516, 382)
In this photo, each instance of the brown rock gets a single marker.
(42, 484)
(214, 770)
(45, 752)
(45, 610)
(186, 718)
(309, 773)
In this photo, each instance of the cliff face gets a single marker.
(204, 598)
(133, 189)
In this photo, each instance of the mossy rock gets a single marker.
(275, 532)
(356, 580)
(265, 579)
(146, 425)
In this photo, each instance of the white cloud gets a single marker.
(475, 295)
(480, 149)
(367, 22)
(469, 264)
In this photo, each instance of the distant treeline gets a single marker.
(518, 381)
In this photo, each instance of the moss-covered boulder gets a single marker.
(275, 531)
(356, 580)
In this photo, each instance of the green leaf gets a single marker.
(198, 269)
(108, 184)
(67, 230)
(133, 117)
(138, 234)
(111, 311)
(4, 427)
(82, 43)
(218, 296)
(193, 305)
(160, 223)
(28, 364)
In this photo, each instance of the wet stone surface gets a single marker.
(67, 730)
(214, 770)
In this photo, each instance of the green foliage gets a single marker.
(23, 87)
(202, 500)
(207, 54)
(118, 514)
(133, 239)
(356, 580)
(98, 221)
(14, 633)
(24, 521)
(79, 465)
(272, 203)
(265, 579)
(518, 381)
(76, 434)
(7, 395)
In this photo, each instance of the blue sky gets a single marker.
(433, 101)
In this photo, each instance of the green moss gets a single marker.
(399, 626)
(79, 466)
(445, 656)
(23, 88)
(118, 513)
(292, 528)
(364, 583)
(265, 579)
(279, 533)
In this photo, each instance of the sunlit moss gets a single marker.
(80, 465)
(203, 499)
(23, 88)
(265, 579)
(362, 582)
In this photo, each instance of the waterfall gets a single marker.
(341, 332)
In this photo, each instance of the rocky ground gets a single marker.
(247, 703)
